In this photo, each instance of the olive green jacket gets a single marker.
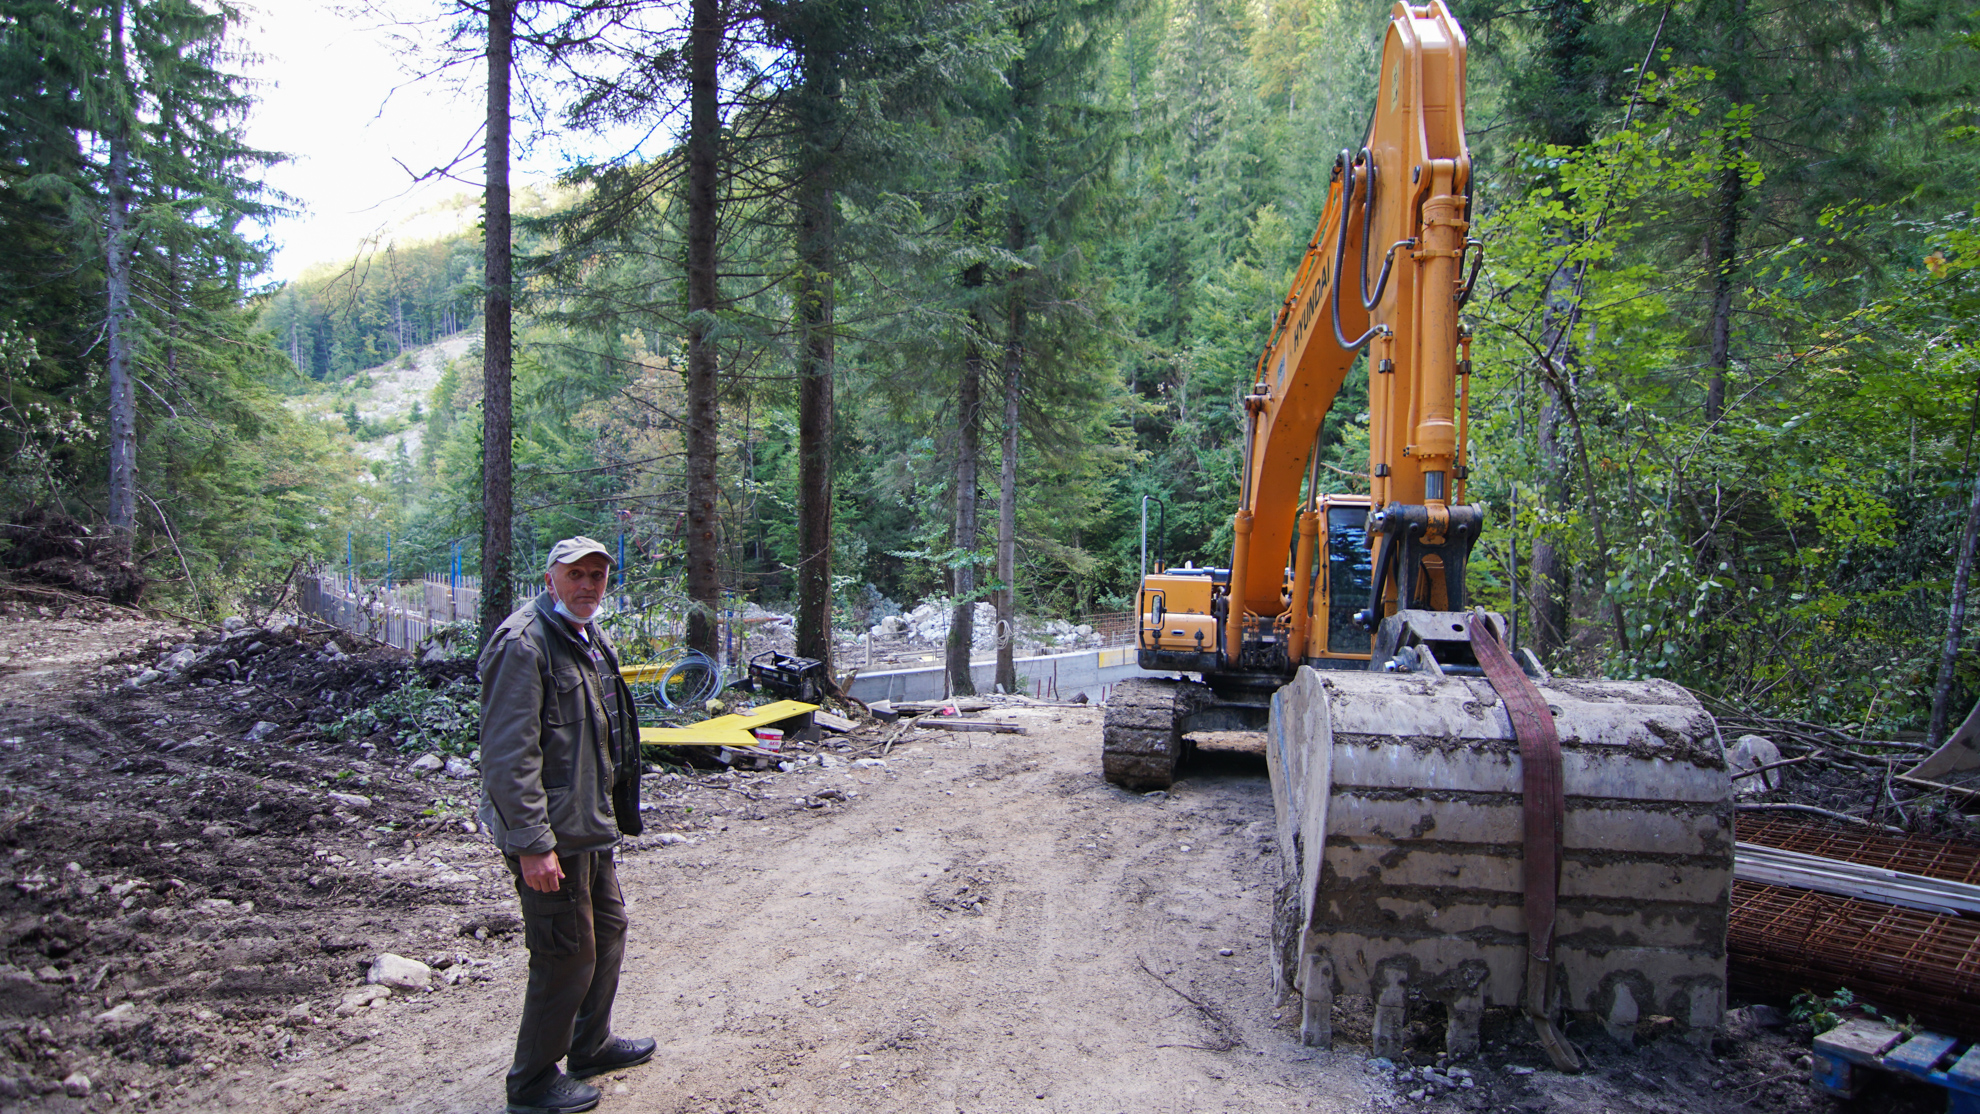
(557, 733)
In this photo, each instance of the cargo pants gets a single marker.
(576, 939)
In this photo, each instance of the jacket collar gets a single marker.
(546, 606)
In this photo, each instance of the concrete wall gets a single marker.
(1067, 674)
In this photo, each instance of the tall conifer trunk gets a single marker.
(817, 230)
(969, 451)
(1006, 595)
(704, 583)
(117, 261)
(497, 594)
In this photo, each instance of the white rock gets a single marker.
(118, 1014)
(180, 660)
(232, 623)
(361, 997)
(400, 973)
(462, 769)
(671, 838)
(434, 653)
(76, 1086)
(870, 763)
(261, 730)
(353, 800)
(831, 761)
(427, 763)
(1750, 752)
(145, 678)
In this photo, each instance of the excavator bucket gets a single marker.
(1402, 831)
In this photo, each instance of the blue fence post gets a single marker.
(622, 560)
(350, 564)
(388, 561)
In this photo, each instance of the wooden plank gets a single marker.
(1859, 1041)
(831, 722)
(1920, 1053)
(976, 725)
(1967, 1068)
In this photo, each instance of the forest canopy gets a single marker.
(988, 273)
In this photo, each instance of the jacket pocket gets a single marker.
(550, 922)
(566, 703)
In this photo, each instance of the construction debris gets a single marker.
(1955, 767)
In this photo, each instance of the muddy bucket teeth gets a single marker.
(1400, 827)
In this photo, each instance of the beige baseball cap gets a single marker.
(572, 549)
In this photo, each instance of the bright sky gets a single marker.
(337, 97)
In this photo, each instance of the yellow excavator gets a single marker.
(1457, 828)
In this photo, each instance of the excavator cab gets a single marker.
(1347, 578)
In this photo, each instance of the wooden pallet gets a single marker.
(1842, 1053)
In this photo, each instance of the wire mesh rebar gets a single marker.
(1933, 858)
(1783, 941)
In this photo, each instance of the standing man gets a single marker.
(559, 750)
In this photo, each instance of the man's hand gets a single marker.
(542, 873)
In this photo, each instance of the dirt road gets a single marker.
(969, 933)
(973, 923)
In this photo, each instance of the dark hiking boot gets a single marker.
(564, 1095)
(619, 1052)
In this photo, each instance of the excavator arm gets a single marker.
(1383, 272)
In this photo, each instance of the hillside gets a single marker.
(390, 400)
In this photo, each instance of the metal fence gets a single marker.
(398, 614)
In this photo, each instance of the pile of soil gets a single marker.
(51, 550)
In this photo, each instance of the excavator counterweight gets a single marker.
(1455, 825)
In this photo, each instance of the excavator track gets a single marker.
(1142, 740)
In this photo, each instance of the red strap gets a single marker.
(1545, 809)
(1545, 806)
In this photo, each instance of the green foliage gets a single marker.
(443, 720)
(1823, 1014)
